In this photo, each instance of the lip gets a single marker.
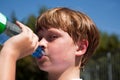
(42, 59)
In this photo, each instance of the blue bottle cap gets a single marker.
(38, 53)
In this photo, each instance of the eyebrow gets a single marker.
(41, 32)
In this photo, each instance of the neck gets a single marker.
(52, 76)
(69, 74)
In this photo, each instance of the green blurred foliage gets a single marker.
(27, 69)
(31, 22)
(42, 9)
(108, 43)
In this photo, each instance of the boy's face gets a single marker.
(59, 50)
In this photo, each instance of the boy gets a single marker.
(67, 37)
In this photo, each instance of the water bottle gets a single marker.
(9, 29)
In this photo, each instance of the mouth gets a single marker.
(41, 54)
(38, 53)
(42, 59)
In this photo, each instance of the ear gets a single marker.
(81, 47)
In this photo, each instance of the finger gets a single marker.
(35, 41)
(26, 30)
(22, 26)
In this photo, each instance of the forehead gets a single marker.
(50, 30)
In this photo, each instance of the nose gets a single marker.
(43, 43)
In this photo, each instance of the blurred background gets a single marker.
(104, 64)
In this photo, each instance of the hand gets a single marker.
(22, 44)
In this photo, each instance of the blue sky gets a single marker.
(105, 13)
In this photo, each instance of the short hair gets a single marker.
(77, 24)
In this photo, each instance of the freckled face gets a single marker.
(59, 48)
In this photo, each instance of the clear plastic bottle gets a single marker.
(8, 29)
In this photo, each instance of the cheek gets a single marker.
(62, 53)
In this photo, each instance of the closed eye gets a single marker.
(52, 37)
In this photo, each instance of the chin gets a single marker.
(53, 69)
